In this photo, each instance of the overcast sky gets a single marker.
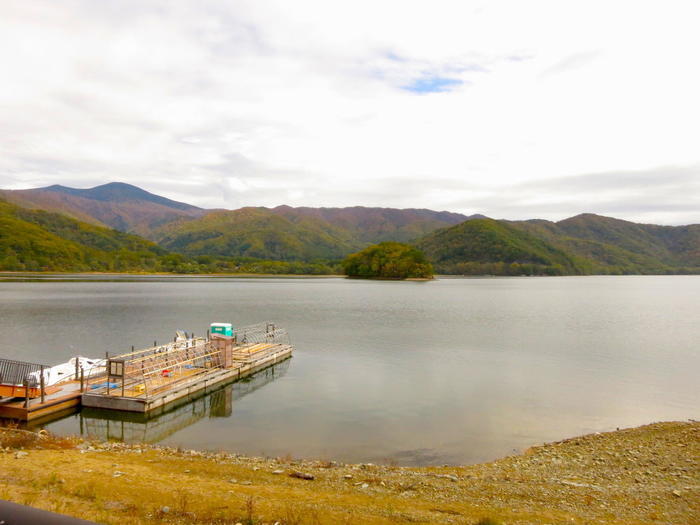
(515, 109)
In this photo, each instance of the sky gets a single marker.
(517, 109)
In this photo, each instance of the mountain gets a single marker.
(116, 205)
(37, 240)
(257, 233)
(589, 244)
(489, 246)
(373, 225)
(286, 233)
(229, 240)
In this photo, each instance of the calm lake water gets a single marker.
(450, 371)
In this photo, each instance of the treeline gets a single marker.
(177, 263)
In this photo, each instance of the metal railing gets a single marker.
(18, 372)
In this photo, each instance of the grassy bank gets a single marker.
(646, 475)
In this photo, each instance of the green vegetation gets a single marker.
(35, 240)
(487, 246)
(256, 233)
(32, 240)
(388, 260)
(74, 234)
(582, 245)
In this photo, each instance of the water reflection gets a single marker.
(132, 427)
(450, 371)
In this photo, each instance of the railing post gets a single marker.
(82, 380)
(41, 382)
(77, 365)
(26, 393)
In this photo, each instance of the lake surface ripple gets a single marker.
(451, 371)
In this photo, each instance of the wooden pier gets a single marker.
(64, 396)
(152, 379)
(183, 385)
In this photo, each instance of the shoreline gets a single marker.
(642, 475)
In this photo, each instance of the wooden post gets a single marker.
(122, 385)
(41, 383)
(77, 360)
(26, 393)
(82, 382)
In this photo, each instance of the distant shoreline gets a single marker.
(170, 274)
(78, 275)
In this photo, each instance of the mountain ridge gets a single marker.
(472, 244)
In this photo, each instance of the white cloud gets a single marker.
(225, 104)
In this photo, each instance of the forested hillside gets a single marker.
(61, 228)
(585, 244)
(35, 240)
(257, 233)
(487, 246)
(374, 225)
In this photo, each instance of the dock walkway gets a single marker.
(152, 378)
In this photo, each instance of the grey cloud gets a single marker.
(665, 194)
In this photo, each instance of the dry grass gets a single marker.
(13, 437)
(134, 485)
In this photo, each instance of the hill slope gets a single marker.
(584, 244)
(36, 240)
(373, 225)
(116, 205)
(257, 233)
(489, 246)
(287, 233)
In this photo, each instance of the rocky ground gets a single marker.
(644, 475)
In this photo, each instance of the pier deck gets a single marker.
(148, 379)
(186, 383)
(57, 399)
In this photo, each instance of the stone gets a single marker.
(301, 475)
(676, 493)
(21, 454)
(246, 482)
(348, 476)
(278, 471)
(165, 509)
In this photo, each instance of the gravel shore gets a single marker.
(644, 475)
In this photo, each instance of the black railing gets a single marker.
(17, 372)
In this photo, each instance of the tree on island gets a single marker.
(388, 260)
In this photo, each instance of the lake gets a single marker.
(452, 371)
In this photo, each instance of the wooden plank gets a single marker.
(188, 386)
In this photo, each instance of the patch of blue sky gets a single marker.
(432, 84)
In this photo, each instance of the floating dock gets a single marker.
(56, 399)
(25, 396)
(155, 377)
(152, 379)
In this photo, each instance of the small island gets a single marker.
(388, 260)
